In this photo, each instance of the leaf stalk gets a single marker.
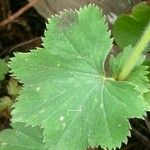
(138, 49)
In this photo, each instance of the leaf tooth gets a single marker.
(49, 19)
(62, 12)
(92, 5)
(52, 16)
(94, 146)
(106, 24)
(12, 70)
(125, 140)
(95, 6)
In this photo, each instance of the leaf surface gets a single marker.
(22, 138)
(65, 88)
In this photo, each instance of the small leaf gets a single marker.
(128, 29)
(65, 88)
(3, 69)
(22, 138)
(5, 103)
(13, 88)
(139, 78)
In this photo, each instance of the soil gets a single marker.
(24, 34)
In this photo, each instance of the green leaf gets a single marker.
(13, 88)
(128, 29)
(3, 69)
(65, 88)
(139, 78)
(22, 138)
(5, 103)
(147, 97)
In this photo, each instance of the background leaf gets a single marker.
(3, 69)
(129, 28)
(22, 138)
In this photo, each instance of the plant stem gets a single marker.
(138, 49)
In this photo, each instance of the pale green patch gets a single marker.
(3, 69)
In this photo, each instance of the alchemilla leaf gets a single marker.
(65, 88)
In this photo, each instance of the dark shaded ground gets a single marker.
(23, 34)
(24, 28)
